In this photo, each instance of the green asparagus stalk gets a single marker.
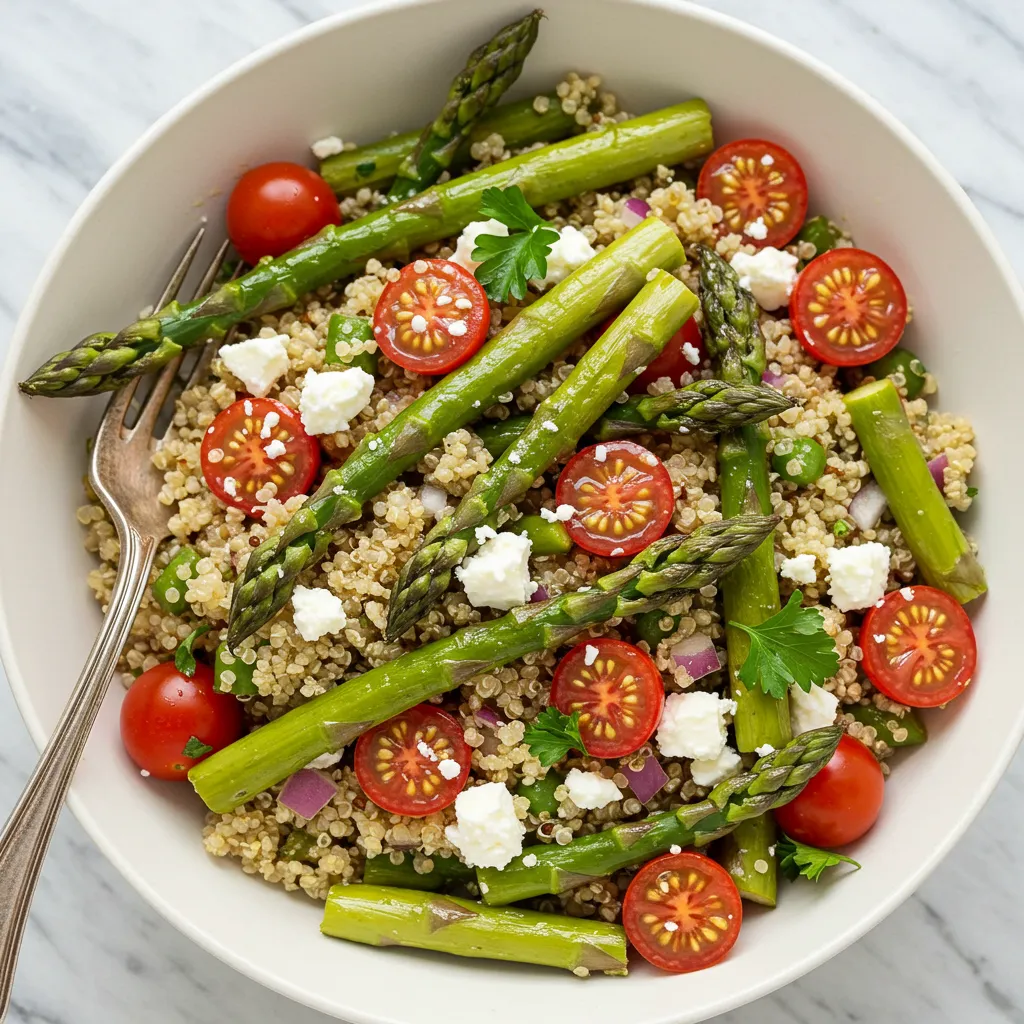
(661, 573)
(541, 332)
(519, 124)
(447, 871)
(942, 552)
(107, 361)
(748, 854)
(381, 916)
(774, 780)
(751, 595)
(343, 329)
(490, 71)
(298, 845)
(635, 339)
(546, 538)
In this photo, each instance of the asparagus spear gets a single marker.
(540, 332)
(383, 916)
(661, 573)
(748, 854)
(447, 871)
(774, 780)
(519, 124)
(489, 72)
(546, 538)
(751, 595)
(943, 555)
(107, 361)
(635, 339)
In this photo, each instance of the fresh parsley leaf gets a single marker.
(509, 205)
(790, 647)
(552, 735)
(840, 528)
(796, 859)
(196, 748)
(972, 492)
(184, 659)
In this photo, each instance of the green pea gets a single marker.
(821, 233)
(903, 365)
(801, 460)
(169, 587)
(898, 731)
(541, 793)
(654, 626)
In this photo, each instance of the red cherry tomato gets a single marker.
(840, 803)
(919, 650)
(397, 762)
(164, 710)
(682, 912)
(277, 206)
(433, 318)
(619, 695)
(623, 501)
(234, 453)
(848, 307)
(752, 178)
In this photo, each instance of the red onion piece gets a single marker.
(937, 468)
(488, 717)
(540, 594)
(634, 211)
(772, 379)
(868, 505)
(647, 781)
(697, 655)
(307, 793)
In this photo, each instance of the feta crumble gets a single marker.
(463, 254)
(257, 362)
(317, 612)
(769, 275)
(814, 710)
(449, 768)
(275, 449)
(590, 791)
(270, 421)
(328, 760)
(562, 514)
(589, 655)
(329, 401)
(425, 750)
(330, 145)
(858, 575)
(691, 353)
(712, 770)
(498, 575)
(530, 860)
(550, 425)
(600, 453)
(764, 750)
(693, 725)
(486, 831)
(799, 569)
(756, 229)
(433, 500)
(571, 251)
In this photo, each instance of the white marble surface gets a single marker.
(81, 79)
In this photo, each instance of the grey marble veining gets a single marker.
(81, 79)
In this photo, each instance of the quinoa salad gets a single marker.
(562, 540)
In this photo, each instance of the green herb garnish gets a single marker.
(796, 859)
(972, 492)
(184, 659)
(196, 748)
(552, 735)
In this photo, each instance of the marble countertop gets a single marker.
(81, 79)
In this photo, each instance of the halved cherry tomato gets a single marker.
(848, 307)
(623, 501)
(840, 803)
(398, 762)
(164, 709)
(618, 692)
(919, 647)
(751, 179)
(682, 912)
(277, 206)
(433, 318)
(683, 354)
(235, 458)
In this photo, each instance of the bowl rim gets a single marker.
(368, 9)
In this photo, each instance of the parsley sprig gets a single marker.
(508, 262)
(553, 734)
(196, 748)
(184, 659)
(796, 859)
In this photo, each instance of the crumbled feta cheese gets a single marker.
(270, 421)
(879, 638)
(692, 353)
(571, 250)
(426, 751)
(675, 848)
(769, 275)
(484, 534)
(515, 458)
(498, 575)
(858, 575)
(463, 254)
(799, 569)
(530, 860)
(590, 791)
(275, 449)
(589, 655)
(231, 486)
(329, 401)
(711, 771)
(328, 760)
(433, 500)
(257, 362)
(247, 409)
(449, 768)
(767, 160)
(562, 514)
(486, 831)
(814, 710)
(907, 593)
(764, 750)
(756, 229)
(600, 453)
(550, 425)
(328, 146)
(693, 725)
(316, 612)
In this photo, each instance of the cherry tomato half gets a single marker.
(239, 453)
(398, 762)
(683, 354)
(277, 206)
(163, 710)
(682, 912)
(623, 500)
(618, 692)
(919, 647)
(751, 179)
(433, 318)
(848, 307)
(840, 803)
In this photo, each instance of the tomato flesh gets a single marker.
(433, 318)
(682, 912)
(235, 459)
(164, 709)
(623, 501)
(848, 307)
(684, 353)
(397, 762)
(277, 206)
(840, 803)
(619, 694)
(753, 179)
(919, 647)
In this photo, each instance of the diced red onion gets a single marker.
(488, 717)
(646, 781)
(697, 655)
(540, 594)
(868, 505)
(937, 468)
(307, 793)
(772, 379)
(634, 211)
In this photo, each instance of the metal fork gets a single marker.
(122, 473)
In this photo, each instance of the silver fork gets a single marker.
(122, 473)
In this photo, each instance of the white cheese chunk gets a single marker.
(756, 229)
(498, 575)
(814, 710)
(713, 770)
(463, 254)
(769, 275)
(486, 831)
(433, 500)
(693, 725)
(571, 251)
(328, 760)
(858, 575)
(328, 146)
(275, 449)
(590, 791)
(449, 768)
(329, 401)
(257, 362)
(799, 569)
(764, 749)
(562, 514)
(317, 612)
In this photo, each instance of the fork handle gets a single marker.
(27, 833)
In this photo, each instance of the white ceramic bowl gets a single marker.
(361, 76)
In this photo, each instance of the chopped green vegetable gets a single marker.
(498, 435)
(446, 873)
(790, 647)
(546, 538)
(231, 674)
(541, 794)
(821, 233)
(350, 328)
(298, 845)
(906, 730)
(195, 746)
(972, 492)
(552, 735)
(184, 659)
(840, 528)
(905, 369)
(169, 587)
(796, 859)
(651, 627)
(801, 460)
